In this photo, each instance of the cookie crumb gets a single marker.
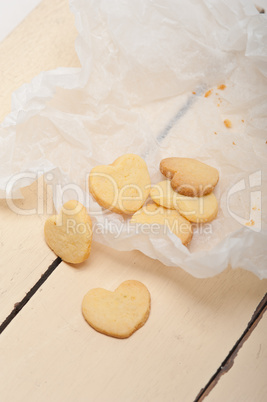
(242, 121)
(261, 10)
(215, 132)
(234, 143)
(227, 123)
(193, 93)
(208, 93)
(222, 87)
(250, 223)
(218, 104)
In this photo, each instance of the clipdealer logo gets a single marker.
(44, 207)
(254, 220)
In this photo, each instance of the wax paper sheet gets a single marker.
(146, 68)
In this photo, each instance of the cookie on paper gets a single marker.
(123, 186)
(153, 214)
(198, 209)
(163, 194)
(190, 177)
(195, 209)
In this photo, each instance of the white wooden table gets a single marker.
(49, 353)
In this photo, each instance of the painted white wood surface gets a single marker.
(247, 379)
(44, 41)
(35, 45)
(48, 352)
(53, 354)
(12, 12)
(22, 259)
(24, 255)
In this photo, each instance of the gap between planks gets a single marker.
(229, 360)
(19, 306)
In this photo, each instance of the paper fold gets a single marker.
(146, 67)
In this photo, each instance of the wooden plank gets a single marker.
(48, 352)
(247, 379)
(24, 254)
(43, 41)
(193, 325)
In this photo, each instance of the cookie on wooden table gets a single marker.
(69, 234)
(119, 313)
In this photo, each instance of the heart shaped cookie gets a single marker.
(195, 209)
(119, 313)
(163, 194)
(69, 234)
(123, 186)
(189, 176)
(153, 214)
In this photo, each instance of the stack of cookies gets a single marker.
(124, 187)
(186, 196)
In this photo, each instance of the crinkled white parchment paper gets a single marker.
(141, 62)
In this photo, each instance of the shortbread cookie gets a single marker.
(189, 176)
(156, 215)
(197, 209)
(123, 186)
(194, 209)
(119, 313)
(163, 194)
(69, 234)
